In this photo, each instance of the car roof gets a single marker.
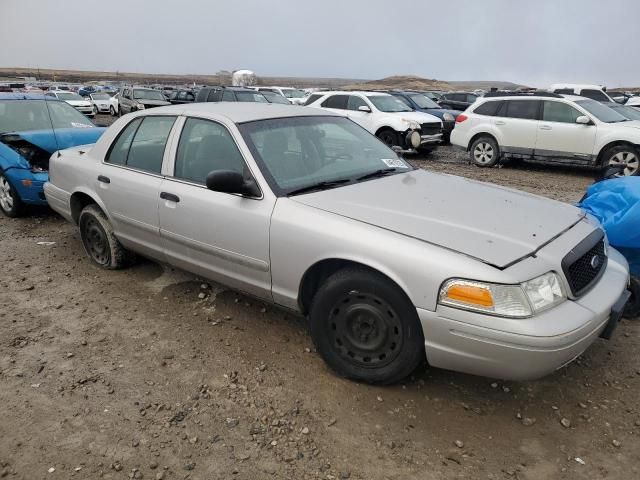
(239, 112)
(25, 96)
(351, 92)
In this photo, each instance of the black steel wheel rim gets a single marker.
(365, 330)
(387, 138)
(96, 242)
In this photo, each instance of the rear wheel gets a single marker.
(484, 152)
(626, 156)
(99, 241)
(632, 309)
(365, 327)
(10, 202)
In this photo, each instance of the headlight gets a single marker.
(514, 301)
(140, 106)
(448, 117)
(413, 125)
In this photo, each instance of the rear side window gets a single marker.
(524, 109)
(488, 108)
(146, 150)
(559, 112)
(313, 97)
(594, 95)
(336, 101)
(228, 96)
(120, 149)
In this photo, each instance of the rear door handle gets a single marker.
(169, 196)
(545, 127)
(103, 179)
(500, 122)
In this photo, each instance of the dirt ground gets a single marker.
(149, 373)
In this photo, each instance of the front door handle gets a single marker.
(545, 127)
(500, 122)
(103, 179)
(169, 196)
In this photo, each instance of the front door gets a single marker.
(221, 236)
(129, 182)
(559, 136)
(361, 118)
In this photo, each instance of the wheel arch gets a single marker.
(80, 199)
(482, 134)
(613, 144)
(318, 273)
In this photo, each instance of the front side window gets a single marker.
(228, 96)
(205, 146)
(524, 109)
(300, 152)
(355, 102)
(559, 112)
(336, 101)
(388, 103)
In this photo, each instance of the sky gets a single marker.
(533, 42)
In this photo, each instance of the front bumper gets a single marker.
(459, 340)
(85, 110)
(28, 185)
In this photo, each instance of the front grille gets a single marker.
(432, 128)
(584, 265)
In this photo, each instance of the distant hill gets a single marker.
(404, 82)
(485, 85)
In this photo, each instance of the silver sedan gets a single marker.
(305, 209)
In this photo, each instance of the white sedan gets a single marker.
(76, 101)
(100, 102)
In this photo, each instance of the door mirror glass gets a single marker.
(364, 108)
(228, 181)
(583, 120)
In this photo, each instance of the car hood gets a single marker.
(63, 138)
(630, 124)
(493, 224)
(79, 103)
(419, 117)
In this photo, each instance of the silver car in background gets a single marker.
(309, 211)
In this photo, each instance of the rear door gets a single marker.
(559, 136)
(221, 236)
(516, 126)
(129, 182)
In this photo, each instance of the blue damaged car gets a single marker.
(32, 127)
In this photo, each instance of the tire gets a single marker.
(10, 202)
(112, 111)
(626, 155)
(95, 110)
(119, 112)
(632, 309)
(365, 328)
(388, 137)
(99, 241)
(484, 152)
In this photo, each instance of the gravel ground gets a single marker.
(152, 373)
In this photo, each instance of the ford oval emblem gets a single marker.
(595, 262)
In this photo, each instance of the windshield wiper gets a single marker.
(318, 186)
(378, 173)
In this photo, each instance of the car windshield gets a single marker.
(275, 98)
(28, 115)
(627, 112)
(100, 96)
(601, 112)
(293, 93)
(388, 103)
(69, 96)
(144, 94)
(423, 101)
(297, 153)
(250, 97)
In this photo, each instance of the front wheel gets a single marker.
(10, 202)
(632, 309)
(99, 241)
(625, 156)
(389, 137)
(484, 152)
(365, 327)
(112, 111)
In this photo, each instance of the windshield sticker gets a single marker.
(80, 125)
(394, 163)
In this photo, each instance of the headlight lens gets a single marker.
(448, 117)
(413, 125)
(544, 291)
(513, 301)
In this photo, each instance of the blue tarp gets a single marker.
(616, 203)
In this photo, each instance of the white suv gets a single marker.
(548, 128)
(387, 117)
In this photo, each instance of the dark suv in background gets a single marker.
(182, 96)
(229, 94)
(458, 100)
(132, 99)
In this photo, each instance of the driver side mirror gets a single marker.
(364, 108)
(583, 120)
(228, 181)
